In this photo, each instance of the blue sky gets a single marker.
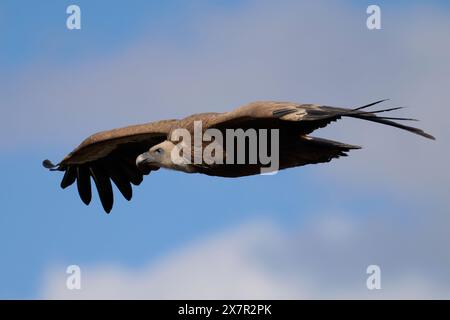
(192, 57)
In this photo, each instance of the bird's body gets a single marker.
(125, 155)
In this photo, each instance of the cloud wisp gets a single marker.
(325, 258)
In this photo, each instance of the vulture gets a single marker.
(125, 155)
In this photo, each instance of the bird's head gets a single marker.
(161, 156)
(156, 156)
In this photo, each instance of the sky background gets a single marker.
(308, 232)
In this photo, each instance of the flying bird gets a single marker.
(125, 155)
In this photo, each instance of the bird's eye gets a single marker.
(159, 150)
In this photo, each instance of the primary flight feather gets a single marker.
(125, 155)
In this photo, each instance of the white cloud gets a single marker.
(326, 258)
(224, 266)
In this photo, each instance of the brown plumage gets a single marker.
(115, 155)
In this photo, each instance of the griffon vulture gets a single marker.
(125, 155)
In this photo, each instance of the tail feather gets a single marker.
(331, 143)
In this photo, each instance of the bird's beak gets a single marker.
(143, 160)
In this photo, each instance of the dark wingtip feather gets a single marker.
(104, 188)
(69, 177)
(84, 184)
(420, 132)
(427, 135)
(397, 118)
(371, 104)
(384, 120)
(122, 184)
(49, 165)
(124, 187)
(370, 116)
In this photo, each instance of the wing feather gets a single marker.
(110, 155)
(103, 184)
(120, 180)
(306, 117)
(130, 170)
(84, 184)
(69, 177)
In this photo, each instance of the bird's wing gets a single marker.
(110, 155)
(305, 118)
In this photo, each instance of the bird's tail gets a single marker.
(310, 150)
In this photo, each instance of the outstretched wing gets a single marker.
(110, 155)
(294, 121)
(303, 118)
